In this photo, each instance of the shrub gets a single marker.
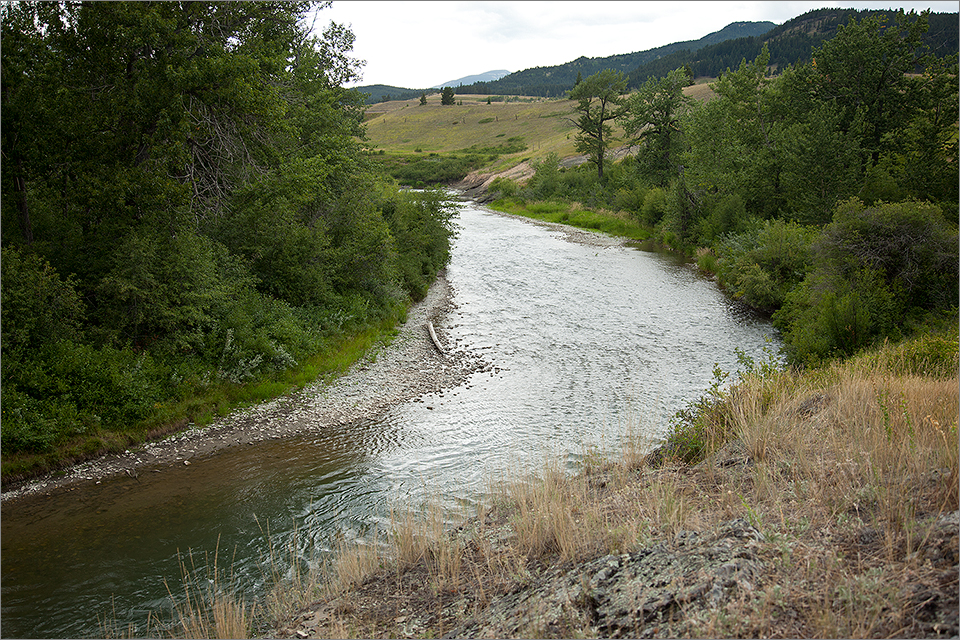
(761, 265)
(727, 216)
(37, 306)
(504, 188)
(654, 206)
(545, 181)
(828, 317)
(908, 243)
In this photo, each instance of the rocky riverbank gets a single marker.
(408, 367)
(698, 576)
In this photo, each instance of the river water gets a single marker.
(588, 340)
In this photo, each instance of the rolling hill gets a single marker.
(487, 76)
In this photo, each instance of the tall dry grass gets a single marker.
(211, 606)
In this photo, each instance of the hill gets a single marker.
(790, 43)
(487, 76)
(385, 93)
(556, 80)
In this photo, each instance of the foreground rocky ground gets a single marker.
(825, 505)
(728, 579)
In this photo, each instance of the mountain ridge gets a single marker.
(486, 76)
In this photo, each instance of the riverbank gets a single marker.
(406, 368)
(821, 503)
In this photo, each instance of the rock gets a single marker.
(630, 595)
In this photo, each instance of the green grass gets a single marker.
(402, 127)
(618, 224)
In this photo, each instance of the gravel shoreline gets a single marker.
(407, 368)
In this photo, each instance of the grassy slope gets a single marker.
(401, 127)
(404, 126)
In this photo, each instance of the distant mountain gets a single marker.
(488, 76)
(789, 43)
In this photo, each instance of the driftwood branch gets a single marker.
(433, 336)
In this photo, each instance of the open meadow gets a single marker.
(544, 125)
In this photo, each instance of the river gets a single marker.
(588, 340)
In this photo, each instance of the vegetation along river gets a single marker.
(583, 340)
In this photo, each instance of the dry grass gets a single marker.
(844, 471)
(210, 607)
(404, 126)
(433, 128)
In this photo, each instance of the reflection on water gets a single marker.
(587, 342)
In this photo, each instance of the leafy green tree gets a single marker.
(651, 116)
(735, 140)
(599, 99)
(447, 96)
(189, 203)
(864, 71)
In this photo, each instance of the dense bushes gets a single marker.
(874, 270)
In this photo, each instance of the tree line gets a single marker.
(188, 204)
(826, 195)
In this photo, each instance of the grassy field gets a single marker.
(545, 125)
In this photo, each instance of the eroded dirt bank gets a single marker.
(407, 368)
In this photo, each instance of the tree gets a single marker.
(651, 116)
(423, 99)
(446, 96)
(599, 100)
(864, 71)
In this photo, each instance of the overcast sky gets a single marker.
(423, 44)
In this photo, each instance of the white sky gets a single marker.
(422, 44)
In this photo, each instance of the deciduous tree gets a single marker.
(651, 117)
(599, 99)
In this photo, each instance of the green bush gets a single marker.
(422, 226)
(727, 216)
(761, 265)
(37, 306)
(654, 206)
(504, 188)
(908, 243)
(545, 182)
(875, 270)
(827, 317)
(70, 389)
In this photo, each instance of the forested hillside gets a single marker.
(826, 195)
(187, 207)
(556, 80)
(788, 44)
